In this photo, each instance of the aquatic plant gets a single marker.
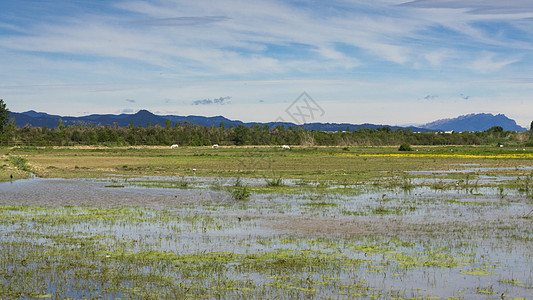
(274, 182)
(240, 193)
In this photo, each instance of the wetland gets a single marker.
(317, 223)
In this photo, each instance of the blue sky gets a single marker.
(380, 61)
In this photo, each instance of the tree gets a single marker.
(168, 124)
(60, 124)
(531, 131)
(4, 115)
(495, 129)
(240, 135)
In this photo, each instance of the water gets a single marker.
(373, 240)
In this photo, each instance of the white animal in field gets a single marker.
(214, 146)
(175, 146)
(286, 147)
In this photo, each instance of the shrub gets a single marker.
(405, 147)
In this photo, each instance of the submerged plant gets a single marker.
(438, 185)
(406, 183)
(183, 183)
(501, 192)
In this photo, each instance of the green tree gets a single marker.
(4, 115)
(168, 124)
(495, 129)
(60, 124)
(240, 135)
(531, 131)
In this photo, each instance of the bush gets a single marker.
(405, 147)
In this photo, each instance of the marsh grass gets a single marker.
(276, 182)
(114, 186)
(240, 191)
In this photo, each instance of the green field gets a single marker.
(337, 164)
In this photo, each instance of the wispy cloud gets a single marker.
(216, 101)
(183, 21)
(489, 63)
(465, 97)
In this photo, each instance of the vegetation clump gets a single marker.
(275, 182)
(405, 147)
(240, 191)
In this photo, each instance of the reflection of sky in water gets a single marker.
(183, 221)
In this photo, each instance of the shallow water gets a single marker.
(471, 170)
(373, 241)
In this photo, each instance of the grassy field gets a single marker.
(340, 164)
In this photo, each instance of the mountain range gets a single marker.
(471, 122)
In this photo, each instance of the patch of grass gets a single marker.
(276, 182)
(240, 191)
(20, 163)
(114, 186)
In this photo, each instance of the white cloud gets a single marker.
(488, 63)
(438, 57)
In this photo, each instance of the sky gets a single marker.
(392, 62)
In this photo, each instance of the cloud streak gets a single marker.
(183, 21)
(216, 101)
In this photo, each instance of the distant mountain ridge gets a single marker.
(143, 117)
(473, 122)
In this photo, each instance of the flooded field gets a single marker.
(140, 237)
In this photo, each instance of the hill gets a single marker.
(474, 122)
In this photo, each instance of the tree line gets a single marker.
(189, 134)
